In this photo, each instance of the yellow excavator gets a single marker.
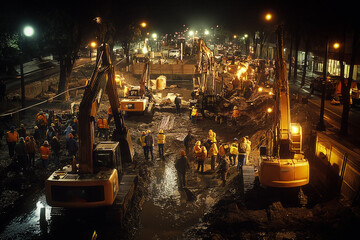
(94, 181)
(204, 79)
(284, 165)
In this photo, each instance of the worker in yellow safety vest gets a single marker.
(213, 152)
(161, 143)
(211, 137)
(143, 143)
(234, 151)
(194, 114)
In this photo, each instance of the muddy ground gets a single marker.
(204, 210)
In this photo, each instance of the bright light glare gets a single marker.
(268, 17)
(28, 31)
(336, 45)
(143, 24)
(260, 89)
(206, 32)
(191, 33)
(93, 44)
(269, 110)
(154, 35)
(295, 129)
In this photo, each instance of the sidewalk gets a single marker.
(333, 113)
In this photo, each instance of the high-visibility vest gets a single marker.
(105, 124)
(100, 123)
(197, 151)
(235, 113)
(44, 152)
(142, 140)
(213, 150)
(222, 151)
(161, 138)
(234, 148)
(42, 117)
(11, 136)
(203, 153)
(109, 112)
(194, 112)
(212, 136)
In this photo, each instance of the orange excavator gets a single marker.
(94, 180)
(284, 164)
(139, 99)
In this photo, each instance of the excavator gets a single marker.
(282, 162)
(204, 80)
(139, 99)
(94, 180)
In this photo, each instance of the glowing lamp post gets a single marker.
(28, 31)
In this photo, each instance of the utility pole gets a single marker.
(321, 124)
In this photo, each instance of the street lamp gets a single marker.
(268, 17)
(27, 31)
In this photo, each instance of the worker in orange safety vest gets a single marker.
(44, 154)
(11, 139)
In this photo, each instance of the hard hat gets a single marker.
(148, 131)
(36, 127)
(21, 139)
(210, 131)
(27, 138)
(22, 125)
(71, 135)
(161, 131)
(143, 132)
(75, 120)
(53, 124)
(235, 139)
(182, 153)
(198, 143)
(46, 142)
(235, 107)
(193, 106)
(54, 137)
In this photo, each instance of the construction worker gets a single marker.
(181, 166)
(21, 154)
(222, 170)
(177, 103)
(41, 122)
(44, 154)
(235, 115)
(72, 146)
(161, 143)
(149, 145)
(22, 131)
(31, 149)
(201, 159)
(242, 153)
(50, 132)
(37, 135)
(222, 152)
(106, 129)
(188, 142)
(100, 125)
(55, 150)
(234, 151)
(11, 139)
(213, 152)
(110, 115)
(194, 114)
(211, 137)
(248, 150)
(143, 144)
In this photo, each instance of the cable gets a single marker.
(23, 109)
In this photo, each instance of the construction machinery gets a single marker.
(204, 79)
(94, 180)
(282, 163)
(139, 98)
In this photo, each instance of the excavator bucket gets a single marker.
(126, 146)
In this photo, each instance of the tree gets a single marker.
(345, 86)
(63, 33)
